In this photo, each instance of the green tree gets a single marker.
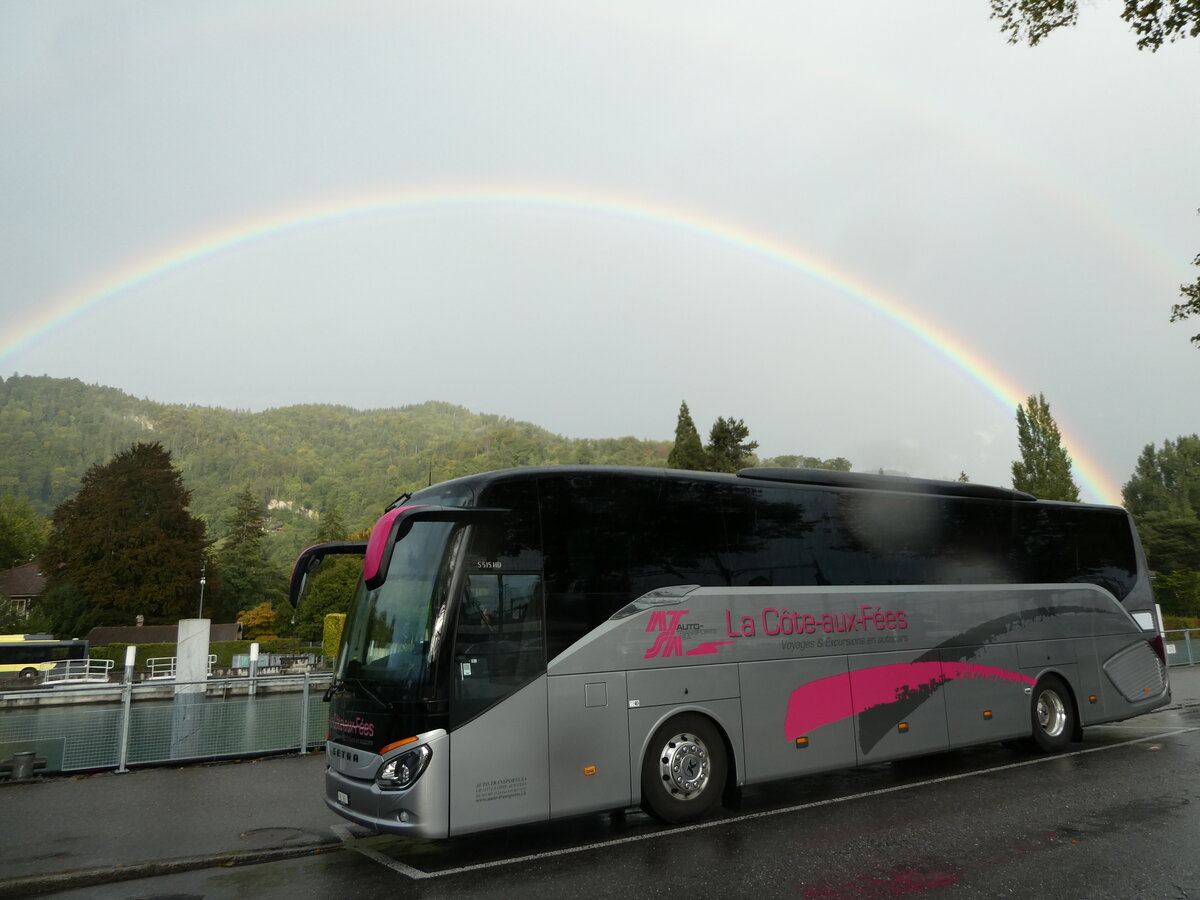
(125, 545)
(69, 614)
(247, 575)
(1044, 468)
(1179, 592)
(1166, 480)
(22, 532)
(1153, 21)
(1191, 302)
(1163, 496)
(11, 621)
(728, 450)
(687, 453)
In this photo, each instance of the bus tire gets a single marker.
(28, 673)
(684, 770)
(1052, 710)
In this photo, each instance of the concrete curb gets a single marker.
(32, 885)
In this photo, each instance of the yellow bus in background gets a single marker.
(29, 655)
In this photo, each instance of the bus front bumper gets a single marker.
(421, 810)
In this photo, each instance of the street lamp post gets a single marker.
(200, 610)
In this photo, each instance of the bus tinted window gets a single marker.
(609, 537)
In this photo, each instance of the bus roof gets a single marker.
(867, 481)
(819, 478)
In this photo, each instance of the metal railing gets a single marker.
(115, 726)
(164, 666)
(1183, 646)
(79, 671)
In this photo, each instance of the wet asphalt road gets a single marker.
(1118, 816)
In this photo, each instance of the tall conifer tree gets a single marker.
(688, 453)
(1044, 468)
(247, 575)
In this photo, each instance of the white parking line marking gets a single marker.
(348, 839)
(419, 875)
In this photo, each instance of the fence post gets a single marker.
(304, 718)
(1187, 642)
(126, 709)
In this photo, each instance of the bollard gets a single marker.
(253, 671)
(126, 700)
(22, 765)
(304, 718)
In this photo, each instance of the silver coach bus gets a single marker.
(536, 643)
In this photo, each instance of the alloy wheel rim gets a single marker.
(685, 766)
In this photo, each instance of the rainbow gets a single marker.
(197, 248)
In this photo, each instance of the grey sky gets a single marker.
(1038, 206)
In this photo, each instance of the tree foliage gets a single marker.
(331, 587)
(1166, 480)
(728, 446)
(1044, 468)
(247, 575)
(1155, 22)
(688, 452)
(22, 532)
(1191, 302)
(11, 621)
(258, 622)
(300, 459)
(1164, 498)
(125, 545)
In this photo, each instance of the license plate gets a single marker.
(343, 798)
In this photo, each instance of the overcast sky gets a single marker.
(862, 227)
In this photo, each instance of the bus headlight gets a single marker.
(401, 772)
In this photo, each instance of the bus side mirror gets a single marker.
(310, 559)
(396, 523)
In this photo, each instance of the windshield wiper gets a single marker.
(396, 503)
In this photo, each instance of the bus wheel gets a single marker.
(1053, 713)
(683, 773)
(28, 673)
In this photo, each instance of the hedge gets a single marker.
(334, 622)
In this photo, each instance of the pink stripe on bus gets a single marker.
(838, 697)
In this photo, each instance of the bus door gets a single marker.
(498, 718)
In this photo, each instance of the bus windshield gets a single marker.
(394, 634)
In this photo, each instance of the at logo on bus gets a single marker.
(668, 642)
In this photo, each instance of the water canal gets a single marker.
(224, 719)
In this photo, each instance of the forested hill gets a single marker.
(302, 460)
